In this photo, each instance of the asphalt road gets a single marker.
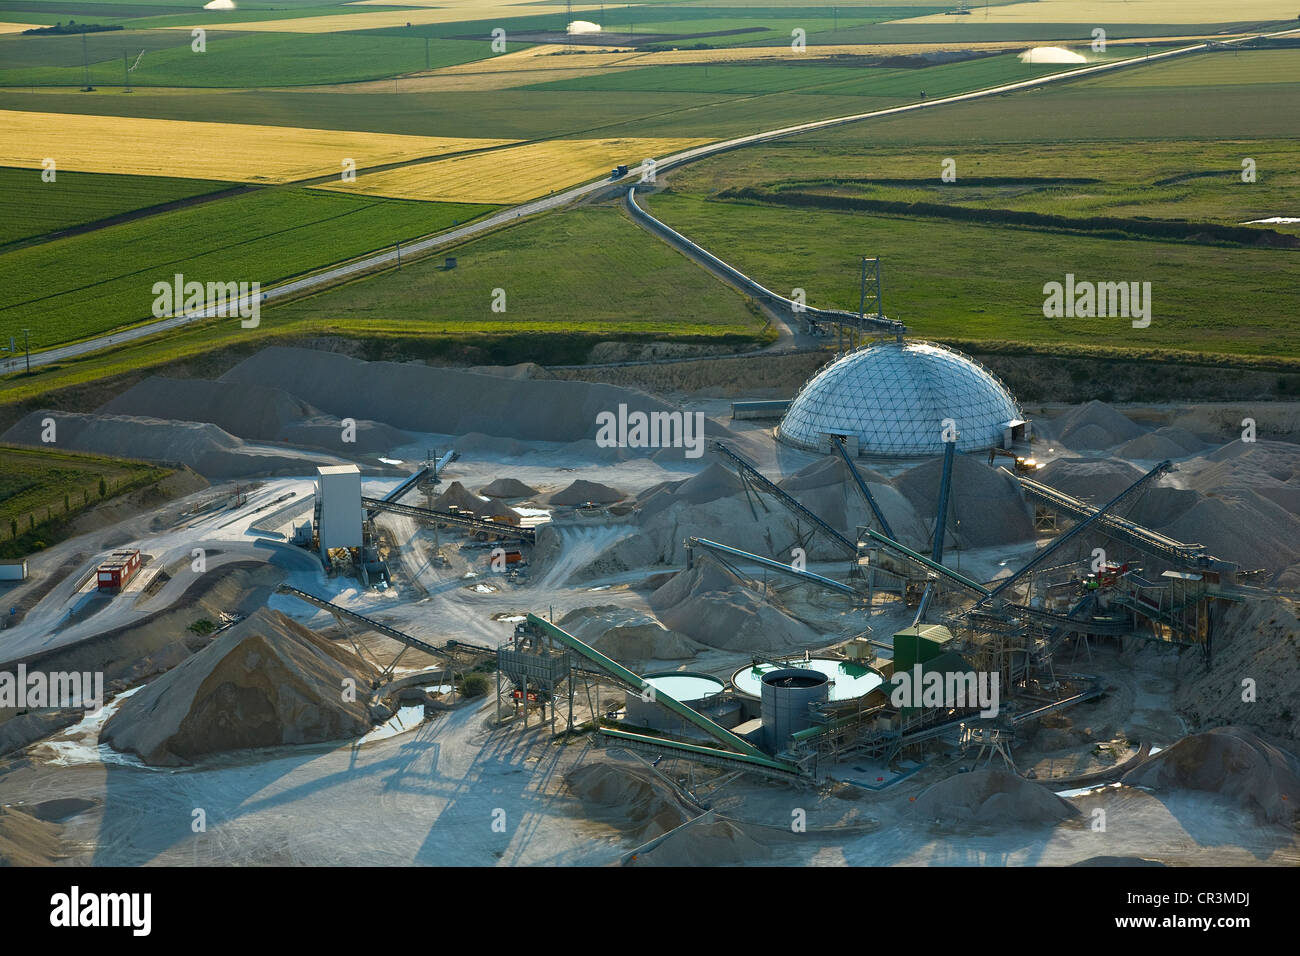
(350, 269)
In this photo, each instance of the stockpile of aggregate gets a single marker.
(207, 449)
(627, 635)
(253, 412)
(707, 843)
(507, 488)
(715, 607)
(462, 498)
(582, 491)
(992, 797)
(1232, 762)
(1094, 426)
(986, 501)
(268, 681)
(1168, 442)
(641, 805)
(422, 398)
(28, 841)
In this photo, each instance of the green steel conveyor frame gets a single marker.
(640, 684)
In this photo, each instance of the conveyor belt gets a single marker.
(499, 528)
(756, 476)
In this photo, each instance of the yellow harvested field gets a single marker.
(233, 152)
(1104, 12)
(382, 19)
(515, 174)
(17, 27)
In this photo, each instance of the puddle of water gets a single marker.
(406, 718)
(1271, 220)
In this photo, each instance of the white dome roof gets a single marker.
(894, 397)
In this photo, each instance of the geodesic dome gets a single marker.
(893, 397)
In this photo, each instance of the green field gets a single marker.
(571, 280)
(589, 270)
(31, 208)
(237, 60)
(818, 77)
(976, 282)
(88, 284)
(39, 485)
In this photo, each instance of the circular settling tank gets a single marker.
(693, 690)
(788, 695)
(848, 679)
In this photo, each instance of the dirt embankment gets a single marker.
(1067, 378)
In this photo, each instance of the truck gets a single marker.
(618, 172)
(13, 570)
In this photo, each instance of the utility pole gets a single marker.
(426, 53)
(27, 348)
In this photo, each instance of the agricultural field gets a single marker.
(1039, 153)
(823, 78)
(570, 281)
(1105, 12)
(512, 175)
(232, 60)
(30, 207)
(973, 282)
(265, 154)
(263, 236)
(589, 271)
(38, 485)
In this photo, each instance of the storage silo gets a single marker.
(787, 694)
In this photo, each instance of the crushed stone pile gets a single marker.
(253, 412)
(1246, 528)
(1255, 637)
(582, 491)
(28, 841)
(207, 449)
(266, 682)
(1094, 480)
(627, 635)
(421, 398)
(707, 843)
(326, 431)
(826, 488)
(464, 499)
(507, 488)
(1094, 426)
(1232, 762)
(992, 797)
(1160, 444)
(985, 500)
(713, 606)
(713, 483)
(635, 802)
